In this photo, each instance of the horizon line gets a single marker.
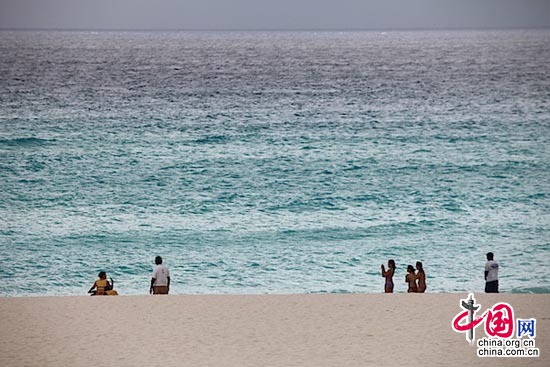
(397, 29)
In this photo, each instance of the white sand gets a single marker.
(294, 330)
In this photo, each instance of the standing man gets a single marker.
(160, 280)
(491, 274)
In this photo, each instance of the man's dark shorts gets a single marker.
(491, 287)
(160, 289)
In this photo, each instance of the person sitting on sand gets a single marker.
(411, 279)
(421, 278)
(102, 287)
(388, 287)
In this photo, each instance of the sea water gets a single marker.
(273, 162)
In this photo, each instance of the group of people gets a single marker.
(160, 282)
(416, 279)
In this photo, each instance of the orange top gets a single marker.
(101, 284)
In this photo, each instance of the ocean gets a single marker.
(273, 162)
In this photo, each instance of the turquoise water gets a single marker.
(273, 162)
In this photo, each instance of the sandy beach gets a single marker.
(253, 330)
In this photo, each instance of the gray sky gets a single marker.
(273, 14)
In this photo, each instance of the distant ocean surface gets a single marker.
(273, 162)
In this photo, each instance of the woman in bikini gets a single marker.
(388, 287)
(421, 277)
(410, 278)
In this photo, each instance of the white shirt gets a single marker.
(492, 268)
(161, 275)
